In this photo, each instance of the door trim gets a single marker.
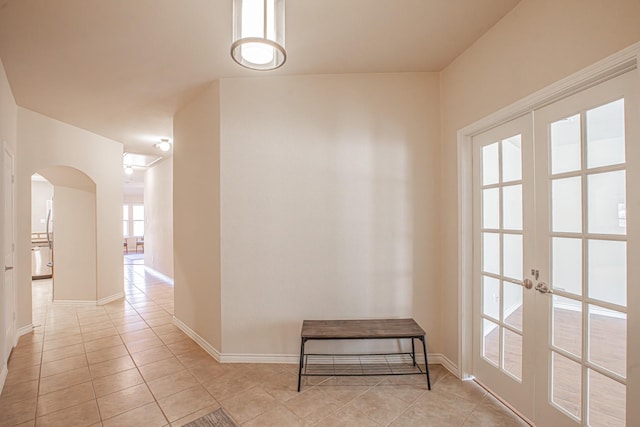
(617, 64)
(9, 306)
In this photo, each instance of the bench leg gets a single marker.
(413, 351)
(426, 362)
(302, 340)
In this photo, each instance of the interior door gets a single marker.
(587, 180)
(8, 252)
(503, 246)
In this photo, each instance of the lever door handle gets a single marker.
(543, 288)
(8, 267)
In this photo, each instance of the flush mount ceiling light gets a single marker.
(128, 170)
(258, 34)
(164, 145)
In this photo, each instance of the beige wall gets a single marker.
(328, 188)
(196, 215)
(45, 142)
(538, 43)
(158, 212)
(74, 244)
(8, 134)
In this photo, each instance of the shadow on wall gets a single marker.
(72, 229)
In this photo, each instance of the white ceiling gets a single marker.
(121, 68)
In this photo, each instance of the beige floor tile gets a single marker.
(132, 327)
(17, 362)
(166, 319)
(101, 333)
(67, 340)
(20, 391)
(17, 376)
(17, 412)
(248, 404)
(107, 354)
(183, 346)
(166, 386)
(173, 337)
(102, 343)
(275, 417)
(195, 415)
(148, 415)
(161, 368)
(116, 382)
(111, 366)
(131, 337)
(84, 414)
(142, 345)
(65, 398)
(490, 412)
(466, 389)
(63, 365)
(63, 380)
(312, 405)
(380, 405)
(438, 409)
(186, 402)
(348, 417)
(124, 400)
(62, 353)
(228, 385)
(152, 355)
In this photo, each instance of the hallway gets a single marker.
(126, 364)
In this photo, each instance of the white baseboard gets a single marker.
(434, 358)
(75, 303)
(198, 339)
(441, 359)
(3, 376)
(23, 331)
(159, 275)
(107, 300)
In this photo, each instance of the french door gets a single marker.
(556, 246)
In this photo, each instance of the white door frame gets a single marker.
(612, 66)
(9, 306)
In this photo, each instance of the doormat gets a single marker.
(217, 418)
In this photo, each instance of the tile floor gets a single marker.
(126, 364)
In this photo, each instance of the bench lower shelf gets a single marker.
(346, 365)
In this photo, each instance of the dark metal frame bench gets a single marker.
(359, 330)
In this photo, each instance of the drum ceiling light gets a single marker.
(258, 34)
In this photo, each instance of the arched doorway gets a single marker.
(69, 218)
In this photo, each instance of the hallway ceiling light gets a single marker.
(258, 34)
(128, 170)
(164, 145)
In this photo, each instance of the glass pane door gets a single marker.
(503, 202)
(583, 251)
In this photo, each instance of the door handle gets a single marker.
(528, 283)
(543, 288)
(8, 267)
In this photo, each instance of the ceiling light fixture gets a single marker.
(164, 145)
(258, 34)
(128, 170)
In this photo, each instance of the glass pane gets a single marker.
(138, 228)
(605, 135)
(125, 212)
(511, 159)
(490, 341)
(607, 203)
(608, 271)
(566, 270)
(125, 228)
(566, 384)
(607, 401)
(567, 324)
(512, 256)
(512, 361)
(490, 164)
(491, 252)
(566, 200)
(565, 145)
(608, 339)
(512, 207)
(491, 208)
(138, 212)
(491, 297)
(512, 304)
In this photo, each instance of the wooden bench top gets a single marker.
(361, 329)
